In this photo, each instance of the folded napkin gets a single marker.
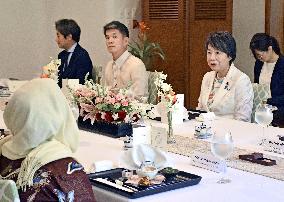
(133, 158)
(209, 116)
(101, 166)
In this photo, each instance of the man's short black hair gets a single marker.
(117, 25)
(68, 26)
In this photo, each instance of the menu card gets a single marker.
(159, 137)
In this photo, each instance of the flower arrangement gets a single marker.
(51, 69)
(144, 49)
(98, 103)
(165, 91)
(168, 99)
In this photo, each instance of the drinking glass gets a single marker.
(264, 115)
(222, 147)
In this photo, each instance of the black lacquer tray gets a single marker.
(182, 179)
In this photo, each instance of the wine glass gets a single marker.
(264, 115)
(222, 147)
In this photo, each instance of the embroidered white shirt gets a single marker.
(116, 66)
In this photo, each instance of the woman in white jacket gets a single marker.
(226, 90)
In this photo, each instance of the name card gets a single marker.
(207, 161)
(159, 137)
(141, 135)
(273, 145)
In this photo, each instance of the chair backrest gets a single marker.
(152, 88)
(261, 92)
(8, 191)
(97, 73)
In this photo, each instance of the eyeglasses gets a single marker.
(259, 54)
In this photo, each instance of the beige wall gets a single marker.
(248, 19)
(27, 30)
(28, 34)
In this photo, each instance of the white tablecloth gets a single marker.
(244, 186)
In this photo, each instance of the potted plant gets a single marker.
(143, 48)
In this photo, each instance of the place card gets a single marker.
(273, 145)
(159, 137)
(207, 161)
(141, 134)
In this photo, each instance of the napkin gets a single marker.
(99, 166)
(209, 116)
(133, 158)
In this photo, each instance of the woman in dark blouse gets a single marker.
(38, 155)
(269, 69)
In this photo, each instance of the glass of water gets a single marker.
(222, 147)
(264, 115)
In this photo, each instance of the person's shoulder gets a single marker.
(134, 59)
(281, 60)
(80, 49)
(209, 74)
(240, 74)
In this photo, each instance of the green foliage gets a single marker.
(146, 50)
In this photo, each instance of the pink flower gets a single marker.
(98, 100)
(111, 100)
(87, 107)
(119, 97)
(124, 103)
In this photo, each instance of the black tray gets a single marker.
(182, 179)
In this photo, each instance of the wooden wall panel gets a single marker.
(182, 37)
(168, 32)
(198, 32)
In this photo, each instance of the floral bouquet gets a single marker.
(51, 69)
(98, 103)
(165, 91)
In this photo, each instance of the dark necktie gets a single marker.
(65, 59)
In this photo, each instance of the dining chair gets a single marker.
(261, 93)
(152, 87)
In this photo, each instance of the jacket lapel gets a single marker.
(208, 88)
(74, 56)
(225, 87)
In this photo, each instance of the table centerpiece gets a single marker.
(107, 111)
(168, 99)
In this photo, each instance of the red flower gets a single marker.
(143, 27)
(135, 118)
(98, 116)
(108, 117)
(121, 115)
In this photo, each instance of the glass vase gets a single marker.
(170, 135)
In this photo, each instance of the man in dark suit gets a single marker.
(75, 60)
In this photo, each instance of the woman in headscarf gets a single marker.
(225, 90)
(38, 155)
